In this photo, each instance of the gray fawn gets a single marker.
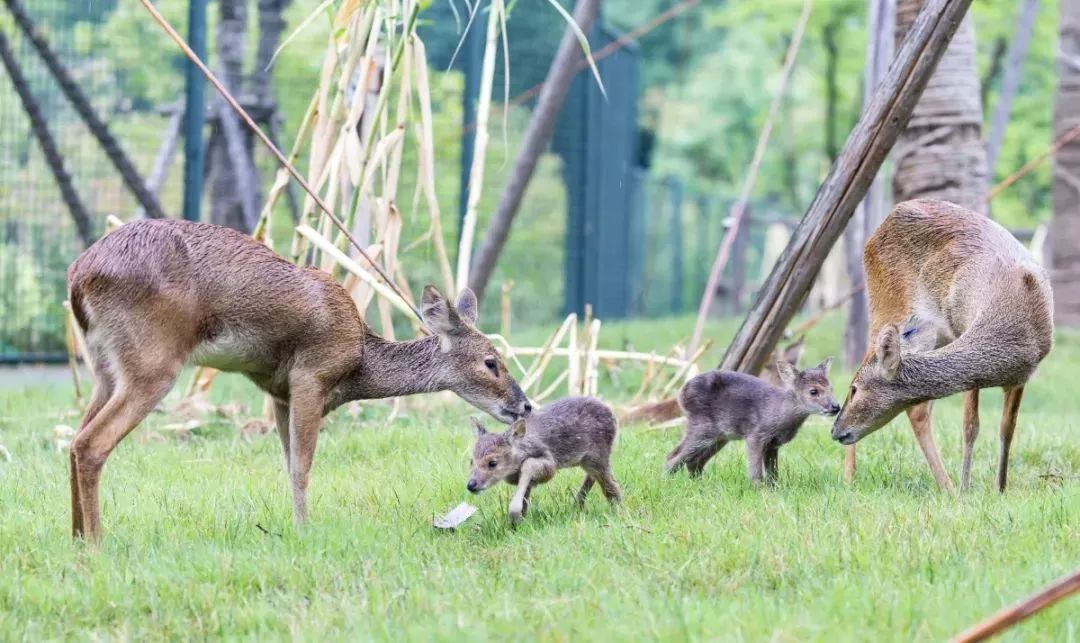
(571, 432)
(155, 295)
(956, 305)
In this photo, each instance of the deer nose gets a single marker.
(472, 486)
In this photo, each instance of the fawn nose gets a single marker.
(473, 486)
(526, 408)
(834, 409)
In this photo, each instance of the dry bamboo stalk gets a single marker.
(1013, 614)
(536, 370)
(476, 174)
(646, 379)
(592, 362)
(543, 395)
(573, 380)
(681, 373)
(73, 352)
(504, 308)
(281, 177)
(612, 354)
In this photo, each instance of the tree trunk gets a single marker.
(563, 69)
(881, 16)
(41, 132)
(1010, 81)
(231, 176)
(940, 154)
(1065, 240)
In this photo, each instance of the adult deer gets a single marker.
(156, 294)
(956, 305)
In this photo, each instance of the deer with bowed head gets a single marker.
(155, 295)
(956, 305)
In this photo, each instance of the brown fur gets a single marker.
(157, 294)
(667, 410)
(722, 406)
(571, 432)
(956, 305)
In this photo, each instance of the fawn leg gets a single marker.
(849, 463)
(772, 462)
(919, 415)
(305, 416)
(696, 460)
(281, 419)
(755, 456)
(608, 485)
(528, 500)
(131, 401)
(532, 468)
(103, 390)
(971, 431)
(586, 486)
(1011, 409)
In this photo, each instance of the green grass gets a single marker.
(199, 541)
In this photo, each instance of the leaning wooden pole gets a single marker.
(865, 150)
(45, 139)
(1013, 614)
(78, 100)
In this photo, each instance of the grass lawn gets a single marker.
(199, 540)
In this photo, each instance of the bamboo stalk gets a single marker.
(684, 369)
(1009, 616)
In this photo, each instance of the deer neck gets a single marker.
(961, 366)
(393, 369)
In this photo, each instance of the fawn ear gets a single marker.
(467, 306)
(478, 428)
(439, 316)
(786, 372)
(824, 365)
(517, 430)
(888, 350)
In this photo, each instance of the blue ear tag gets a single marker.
(908, 332)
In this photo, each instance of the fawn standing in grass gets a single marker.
(572, 432)
(721, 406)
(156, 294)
(956, 305)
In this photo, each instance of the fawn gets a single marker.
(721, 406)
(956, 305)
(571, 432)
(156, 294)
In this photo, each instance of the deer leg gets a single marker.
(849, 463)
(281, 419)
(528, 500)
(755, 456)
(919, 415)
(131, 401)
(305, 416)
(531, 469)
(971, 431)
(700, 456)
(1011, 409)
(772, 462)
(103, 390)
(586, 487)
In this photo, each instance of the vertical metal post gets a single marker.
(675, 196)
(194, 113)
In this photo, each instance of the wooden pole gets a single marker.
(1013, 614)
(865, 150)
(78, 100)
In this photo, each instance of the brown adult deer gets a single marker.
(156, 294)
(956, 305)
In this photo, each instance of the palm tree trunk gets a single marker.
(1065, 240)
(941, 154)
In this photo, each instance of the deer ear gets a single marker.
(786, 372)
(478, 428)
(824, 365)
(888, 350)
(517, 430)
(467, 306)
(439, 316)
(793, 351)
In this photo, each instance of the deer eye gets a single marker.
(813, 392)
(492, 464)
(492, 365)
(853, 390)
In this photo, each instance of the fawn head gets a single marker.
(811, 386)
(877, 392)
(494, 456)
(475, 370)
